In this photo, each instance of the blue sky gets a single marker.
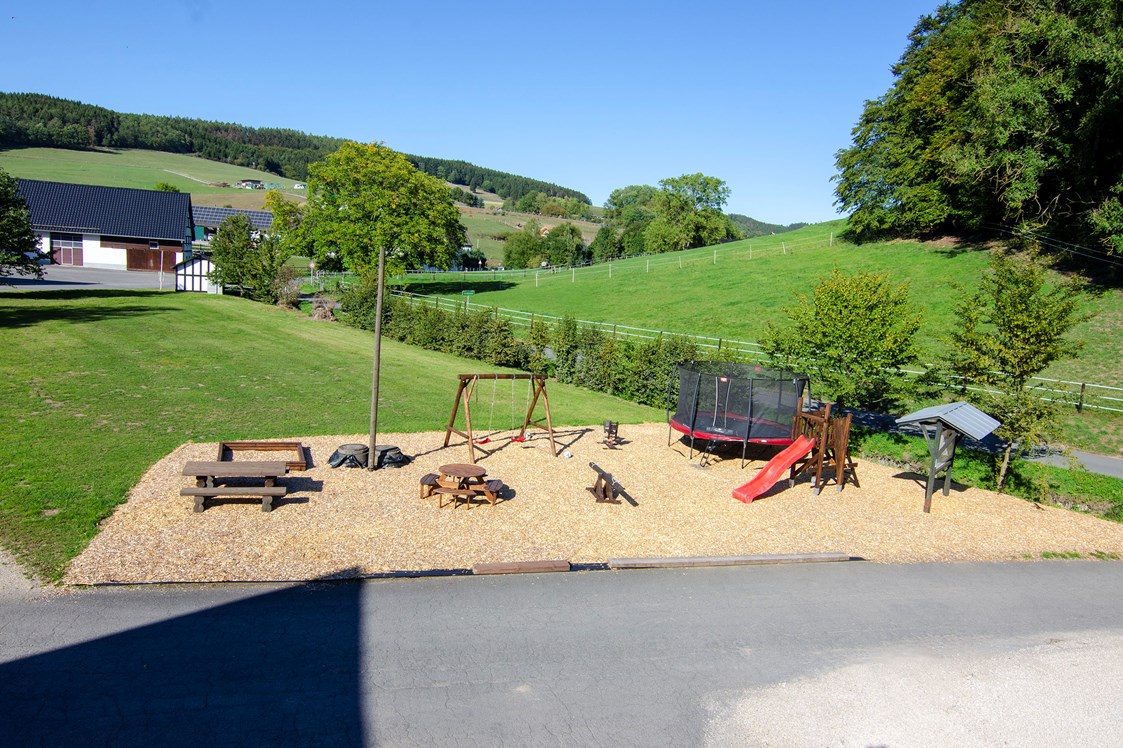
(592, 96)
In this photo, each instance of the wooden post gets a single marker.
(1080, 405)
(372, 454)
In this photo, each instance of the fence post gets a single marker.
(1080, 405)
(715, 256)
(719, 345)
(536, 279)
(610, 270)
(832, 239)
(785, 246)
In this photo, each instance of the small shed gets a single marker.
(193, 274)
(942, 426)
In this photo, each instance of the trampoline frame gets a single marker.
(699, 432)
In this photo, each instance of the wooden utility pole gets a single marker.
(372, 455)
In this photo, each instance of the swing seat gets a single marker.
(518, 439)
(485, 440)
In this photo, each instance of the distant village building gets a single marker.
(207, 219)
(250, 184)
(109, 227)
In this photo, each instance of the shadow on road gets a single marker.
(278, 668)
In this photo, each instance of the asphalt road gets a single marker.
(63, 278)
(850, 654)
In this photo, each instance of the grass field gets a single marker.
(143, 170)
(96, 386)
(733, 291)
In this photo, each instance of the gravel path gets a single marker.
(352, 523)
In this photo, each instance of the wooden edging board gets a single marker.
(520, 567)
(780, 558)
(226, 451)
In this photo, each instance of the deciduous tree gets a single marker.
(1000, 112)
(18, 245)
(366, 197)
(688, 213)
(1011, 328)
(564, 245)
(245, 258)
(523, 248)
(854, 335)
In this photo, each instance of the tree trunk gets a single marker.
(1005, 465)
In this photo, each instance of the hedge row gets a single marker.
(639, 371)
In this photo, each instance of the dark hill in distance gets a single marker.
(37, 120)
(753, 228)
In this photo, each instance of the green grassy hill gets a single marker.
(96, 386)
(733, 291)
(143, 170)
(198, 176)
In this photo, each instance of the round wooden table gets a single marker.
(463, 473)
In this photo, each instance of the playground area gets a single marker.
(349, 522)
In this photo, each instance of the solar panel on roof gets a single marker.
(211, 216)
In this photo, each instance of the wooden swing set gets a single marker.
(468, 382)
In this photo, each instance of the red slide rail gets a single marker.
(775, 468)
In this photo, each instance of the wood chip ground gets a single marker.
(339, 523)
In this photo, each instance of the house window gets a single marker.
(153, 245)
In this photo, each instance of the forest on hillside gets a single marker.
(37, 120)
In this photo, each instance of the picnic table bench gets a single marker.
(208, 473)
(461, 481)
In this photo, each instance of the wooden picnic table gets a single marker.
(462, 480)
(209, 473)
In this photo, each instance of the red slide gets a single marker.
(775, 468)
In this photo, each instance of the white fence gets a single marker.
(1077, 394)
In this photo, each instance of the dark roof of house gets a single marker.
(963, 417)
(210, 217)
(109, 211)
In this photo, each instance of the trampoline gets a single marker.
(721, 402)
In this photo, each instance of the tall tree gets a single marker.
(19, 247)
(246, 258)
(688, 213)
(364, 198)
(523, 248)
(1000, 112)
(855, 335)
(1011, 328)
(564, 245)
(629, 210)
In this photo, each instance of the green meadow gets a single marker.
(97, 386)
(141, 170)
(735, 290)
